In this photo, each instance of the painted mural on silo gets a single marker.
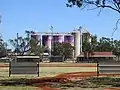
(58, 38)
(55, 38)
(61, 38)
(46, 41)
(69, 39)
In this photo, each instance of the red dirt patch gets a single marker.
(44, 82)
(64, 78)
(4, 65)
(112, 89)
(77, 75)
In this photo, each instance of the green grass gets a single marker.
(46, 72)
(17, 88)
(4, 74)
(53, 71)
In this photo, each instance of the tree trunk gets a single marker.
(118, 58)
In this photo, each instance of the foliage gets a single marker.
(3, 49)
(35, 47)
(26, 45)
(116, 49)
(111, 4)
(67, 50)
(105, 81)
(63, 49)
(102, 45)
(57, 49)
(89, 45)
(105, 45)
(20, 45)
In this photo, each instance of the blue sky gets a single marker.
(38, 15)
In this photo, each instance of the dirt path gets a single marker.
(112, 89)
(43, 83)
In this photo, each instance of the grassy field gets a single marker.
(53, 71)
(17, 88)
(44, 72)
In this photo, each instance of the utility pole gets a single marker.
(17, 43)
(52, 41)
(80, 29)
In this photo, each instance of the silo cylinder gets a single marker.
(77, 43)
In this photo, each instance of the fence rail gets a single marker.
(24, 65)
(109, 67)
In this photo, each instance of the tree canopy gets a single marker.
(3, 49)
(111, 4)
(20, 44)
(63, 49)
(26, 45)
(35, 47)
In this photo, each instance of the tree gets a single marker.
(57, 49)
(88, 49)
(36, 48)
(89, 45)
(94, 43)
(20, 45)
(3, 49)
(97, 4)
(116, 49)
(63, 49)
(67, 50)
(104, 45)
(111, 4)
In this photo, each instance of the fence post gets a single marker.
(38, 68)
(9, 68)
(97, 68)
